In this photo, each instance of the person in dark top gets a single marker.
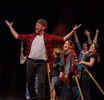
(55, 70)
(90, 62)
(83, 53)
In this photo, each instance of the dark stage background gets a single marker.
(61, 15)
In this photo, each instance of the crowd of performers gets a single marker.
(64, 63)
(67, 65)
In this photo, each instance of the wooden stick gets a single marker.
(78, 85)
(21, 44)
(48, 71)
(94, 80)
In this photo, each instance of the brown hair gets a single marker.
(57, 51)
(86, 42)
(97, 53)
(71, 43)
(42, 22)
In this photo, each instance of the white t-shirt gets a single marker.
(38, 48)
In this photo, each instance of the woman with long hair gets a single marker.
(89, 63)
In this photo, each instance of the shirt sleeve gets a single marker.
(23, 37)
(79, 47)
(94, 56)
(57, 39)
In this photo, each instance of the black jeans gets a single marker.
(36, 67)
(85, 82)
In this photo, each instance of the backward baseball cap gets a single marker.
(42, 22)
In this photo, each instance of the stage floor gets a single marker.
(7, 94)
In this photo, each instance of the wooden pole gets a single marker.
(21, 44)
(78, 85)
(94, 80)
(48, 72)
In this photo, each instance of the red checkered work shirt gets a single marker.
(49, 39)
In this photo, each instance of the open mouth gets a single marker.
(65, 47)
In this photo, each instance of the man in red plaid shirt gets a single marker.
(37, 44)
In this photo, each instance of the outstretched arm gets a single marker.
(77, 42)
(88, 36)
(10, 25)
(96, 36)
(70, 34)
(76, 37)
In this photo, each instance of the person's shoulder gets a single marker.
(31, 34)
(49, 35)
(94, 55)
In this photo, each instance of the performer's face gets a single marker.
(92, 49)
(39, 28)
(85, 47)
(67, 45)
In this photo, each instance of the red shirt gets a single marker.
(49, 39)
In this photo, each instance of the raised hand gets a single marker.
(96, 36)
(87, 32)
(8, 23)
(97, 30)
(76, 27)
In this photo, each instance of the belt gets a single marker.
(35, 60)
